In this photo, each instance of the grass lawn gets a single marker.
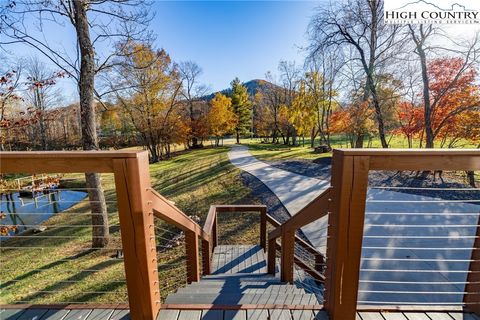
(273, 152)
(59, 267)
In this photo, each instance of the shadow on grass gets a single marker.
(64, 285)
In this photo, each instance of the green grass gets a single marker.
(273, 152)
(67, 271)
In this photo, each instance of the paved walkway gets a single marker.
(294, 190)
(428, 238)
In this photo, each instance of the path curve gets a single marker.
(295, 191)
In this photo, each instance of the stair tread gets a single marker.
(239, 277)
(240, 290)
(239, 298)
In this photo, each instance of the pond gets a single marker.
(28, 212)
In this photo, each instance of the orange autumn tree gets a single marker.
(455, 99)
(356, 121)
(410, 120)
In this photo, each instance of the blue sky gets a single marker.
(227, 39)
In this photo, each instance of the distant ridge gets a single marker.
(253, 86)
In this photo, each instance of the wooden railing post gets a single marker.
(287, 256)
(271, 259)
(132, 181)
(345, 234)
(214, 231)
(263, 228)
(472, 288)
(191, 246)
(207, 257)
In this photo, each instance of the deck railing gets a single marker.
(210, 229)
(348, 196)
(343, 205)
(137, 205)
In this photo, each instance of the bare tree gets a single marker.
(192, 91)
(41, 94)
(322, 81)
(359, 24)
(95, 23)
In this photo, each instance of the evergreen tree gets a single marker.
(241, 107)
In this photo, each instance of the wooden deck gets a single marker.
(205, 300)
(256, 314)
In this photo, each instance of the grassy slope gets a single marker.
(68, 272)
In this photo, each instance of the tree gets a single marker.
(150, 97)
(221, 119)
(9, 83)
(108, 21)
(269, 107)
(355, 121)
(303, 112)
(468, 52)
(359, 25)
(241, 107)
(192, 91)
(410, 120)
(454, 91)
(41, 94)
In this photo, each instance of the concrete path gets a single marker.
(294, 191)
(413, 244)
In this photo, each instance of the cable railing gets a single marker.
(409, 245)
(355, 247)
(421, 254)
(294, 249)
(56, 250)
(48, 252)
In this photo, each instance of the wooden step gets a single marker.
(243, 290)
(239, 299)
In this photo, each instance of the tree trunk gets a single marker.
(471, 178)
(100, 228)
(238, 136)
(370, 70)
(313, 135)
(426, 99)
(359, 141)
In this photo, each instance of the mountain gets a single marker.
(253, 86)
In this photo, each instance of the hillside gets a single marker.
(253, 86)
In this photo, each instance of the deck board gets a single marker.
(416, 316)
(55, 314)
(80, 314)
(251, 314)
(235, 315)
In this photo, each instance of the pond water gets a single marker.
(25, 212)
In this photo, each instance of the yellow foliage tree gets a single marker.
(152, 97)
(220, 118)
(302, 114)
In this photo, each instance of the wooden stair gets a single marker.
(239, 277)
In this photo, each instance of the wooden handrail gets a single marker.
(350, 168)
(132, 179)
(165, 210)
(315, 210)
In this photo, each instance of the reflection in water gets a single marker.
(25, 212)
